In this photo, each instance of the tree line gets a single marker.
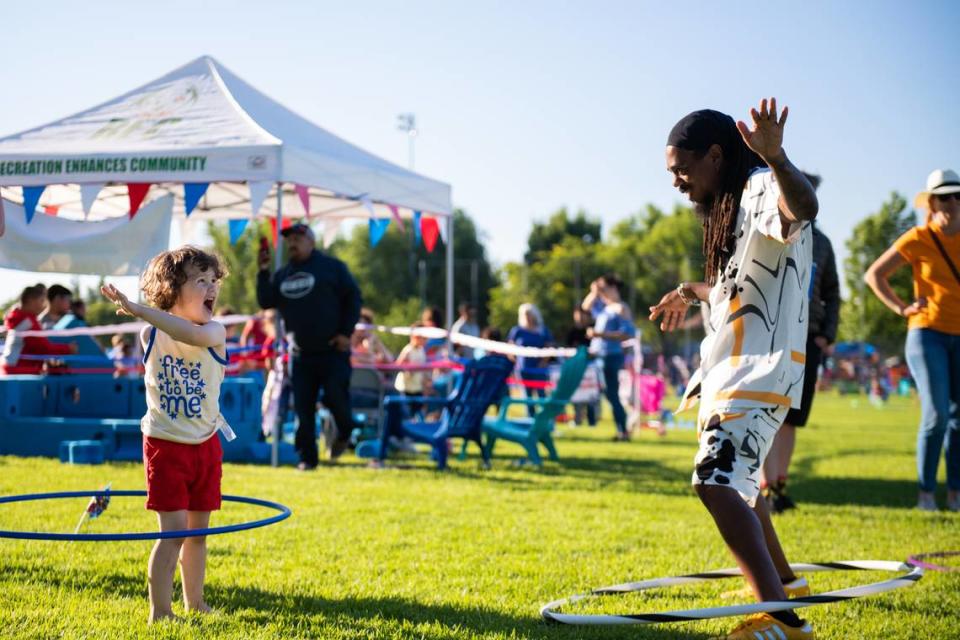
(651, 251)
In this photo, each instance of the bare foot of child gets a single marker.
(202, 607)
(160, 616)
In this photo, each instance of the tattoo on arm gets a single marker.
(798, 200)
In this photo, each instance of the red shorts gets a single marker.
(183, 476)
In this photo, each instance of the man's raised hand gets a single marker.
(766, 138)
(673, 310)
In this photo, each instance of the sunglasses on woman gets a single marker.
(948, 196)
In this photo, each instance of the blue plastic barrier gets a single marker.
(38, 412)
(81, 452)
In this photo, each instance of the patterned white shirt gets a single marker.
(755, 349)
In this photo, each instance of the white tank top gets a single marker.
(183, 391)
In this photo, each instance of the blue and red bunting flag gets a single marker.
(31, 196)
(192, 192)
(237, 228)
(395, 212)
(416, 226)
(273, 229)
(303, 192)
(378, 228)
(431, 231)
(137, 191)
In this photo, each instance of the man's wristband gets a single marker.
(694, 302)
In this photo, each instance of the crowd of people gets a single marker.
(769, 298)
(39, 308)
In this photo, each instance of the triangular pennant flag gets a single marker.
(88, 195)
(378, 227)
(416, 227)
(31, 196)
(236, 229)
(303, 193)
(192, 192)
(442, 226)
(368, 205)
(430, 230)
(395, 212)
(273, 228)
(330, 228)
(258, 193)
(137, 191)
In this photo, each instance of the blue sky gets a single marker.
(525, 107)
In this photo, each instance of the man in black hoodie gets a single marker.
(320, 304)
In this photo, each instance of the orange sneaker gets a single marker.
(766, 627)
(799, 588)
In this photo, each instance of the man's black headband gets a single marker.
(701, 129)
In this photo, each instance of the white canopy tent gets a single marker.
(202, 125)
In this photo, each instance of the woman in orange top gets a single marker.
(933, 338)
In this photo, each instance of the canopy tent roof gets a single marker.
(203, 124)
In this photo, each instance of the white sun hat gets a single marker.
(939, 182)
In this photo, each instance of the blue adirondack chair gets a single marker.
(462, 415)
(529, 432)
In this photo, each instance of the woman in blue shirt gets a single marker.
(613, 325)
(530, 332)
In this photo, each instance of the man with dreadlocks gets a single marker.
(755, 206)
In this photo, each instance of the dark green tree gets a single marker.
(655, 251)
(545, 235)
(397, 270)
(556, 282)
(650, 251)
(862, 316)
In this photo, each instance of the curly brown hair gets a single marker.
(167, 273)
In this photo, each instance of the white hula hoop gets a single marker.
(912, 575)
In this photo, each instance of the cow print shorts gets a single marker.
(733, 446)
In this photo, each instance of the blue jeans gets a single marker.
(934, 361)
(612, 364)
(534, 392)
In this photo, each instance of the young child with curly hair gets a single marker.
(184, 359)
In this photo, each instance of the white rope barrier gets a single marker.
(490, 346)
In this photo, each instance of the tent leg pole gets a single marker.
(449, 301)
(278, 424)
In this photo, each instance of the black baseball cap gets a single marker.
(298, 228)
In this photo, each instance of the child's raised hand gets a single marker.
(114, 295)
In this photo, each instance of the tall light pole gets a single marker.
(407, 122)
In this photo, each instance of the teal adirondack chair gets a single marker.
(529, 432)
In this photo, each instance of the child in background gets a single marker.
(365, 346)
(413, 383)
(184, 359)
(117, 347)
(25, 318)
(122, 353)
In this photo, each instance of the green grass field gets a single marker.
(412, 553)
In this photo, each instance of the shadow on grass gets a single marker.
(872, 492)
(641, 475)
(363, 610)
(261, 607)
(644, 475)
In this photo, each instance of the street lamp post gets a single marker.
(407, 122)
